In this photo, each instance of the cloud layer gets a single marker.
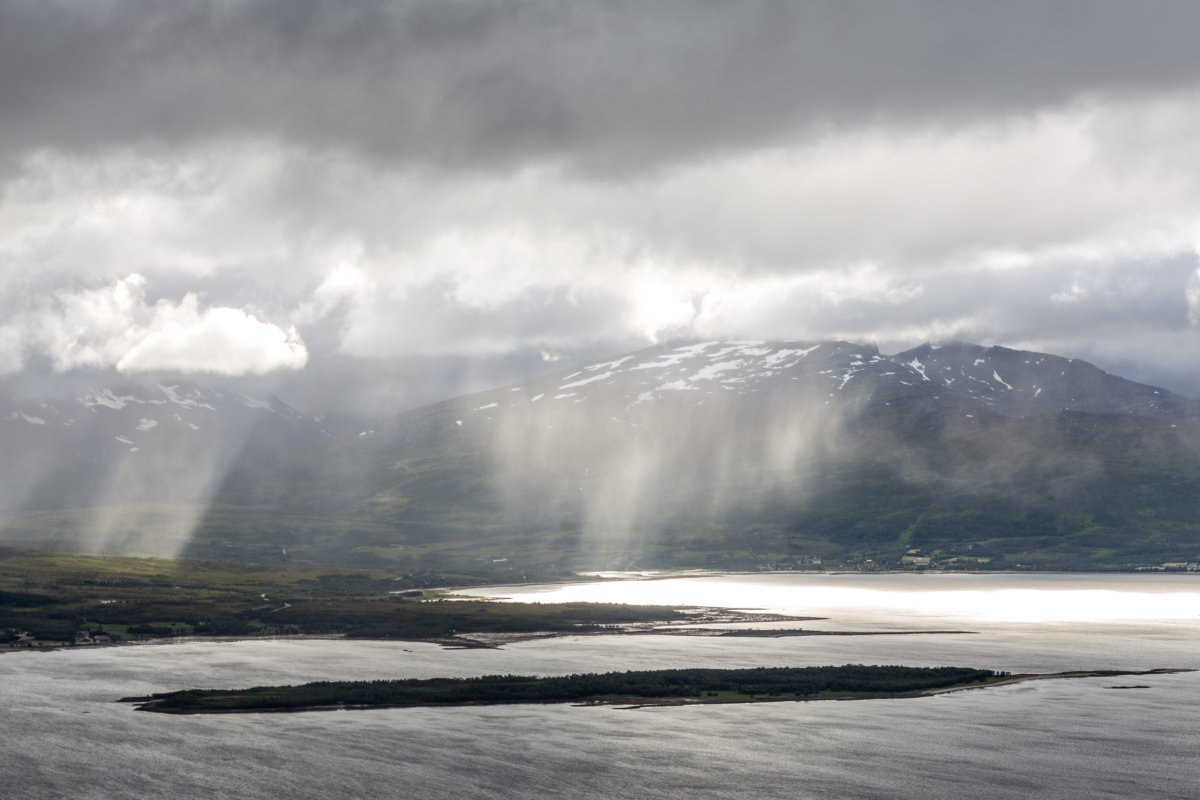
(422, 196)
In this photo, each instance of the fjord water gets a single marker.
(62, 736)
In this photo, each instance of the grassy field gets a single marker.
(48, 598)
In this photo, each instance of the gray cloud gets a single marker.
(612, 86)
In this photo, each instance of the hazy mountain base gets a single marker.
(840, 456)
(1073, 491)
(1076, 491)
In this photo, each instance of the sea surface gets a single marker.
(63, 736)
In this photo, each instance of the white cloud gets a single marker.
(885, 233)
(157, 214)
(93, 327)
(227, 341)
(660, 304)
(1007, 191)
(346, 286)
(116, 327)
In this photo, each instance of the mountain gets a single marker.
(1018, 383)
(747, 453)
(708, 453)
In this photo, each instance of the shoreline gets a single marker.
(1010, 681)
(497, 640)
(717, 618)
(171, 640)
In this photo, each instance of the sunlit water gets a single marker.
(61, 736)
(1027, 597)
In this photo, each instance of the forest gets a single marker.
(635, 687)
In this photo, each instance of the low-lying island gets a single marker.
(649, 687)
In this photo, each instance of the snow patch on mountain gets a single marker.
(608, 365)
(175, 395)
(676, 356)
(778, 356)
(919, 367)
(713, 370)
(107, 399)
(250, 402)
(586, 381)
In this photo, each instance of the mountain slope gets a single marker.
(751, 453)
(1021, 384)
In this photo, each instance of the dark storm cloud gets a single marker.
(598, 85)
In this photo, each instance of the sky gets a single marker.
(368, 206)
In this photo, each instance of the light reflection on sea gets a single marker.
(1028, 597)
(61, 735)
